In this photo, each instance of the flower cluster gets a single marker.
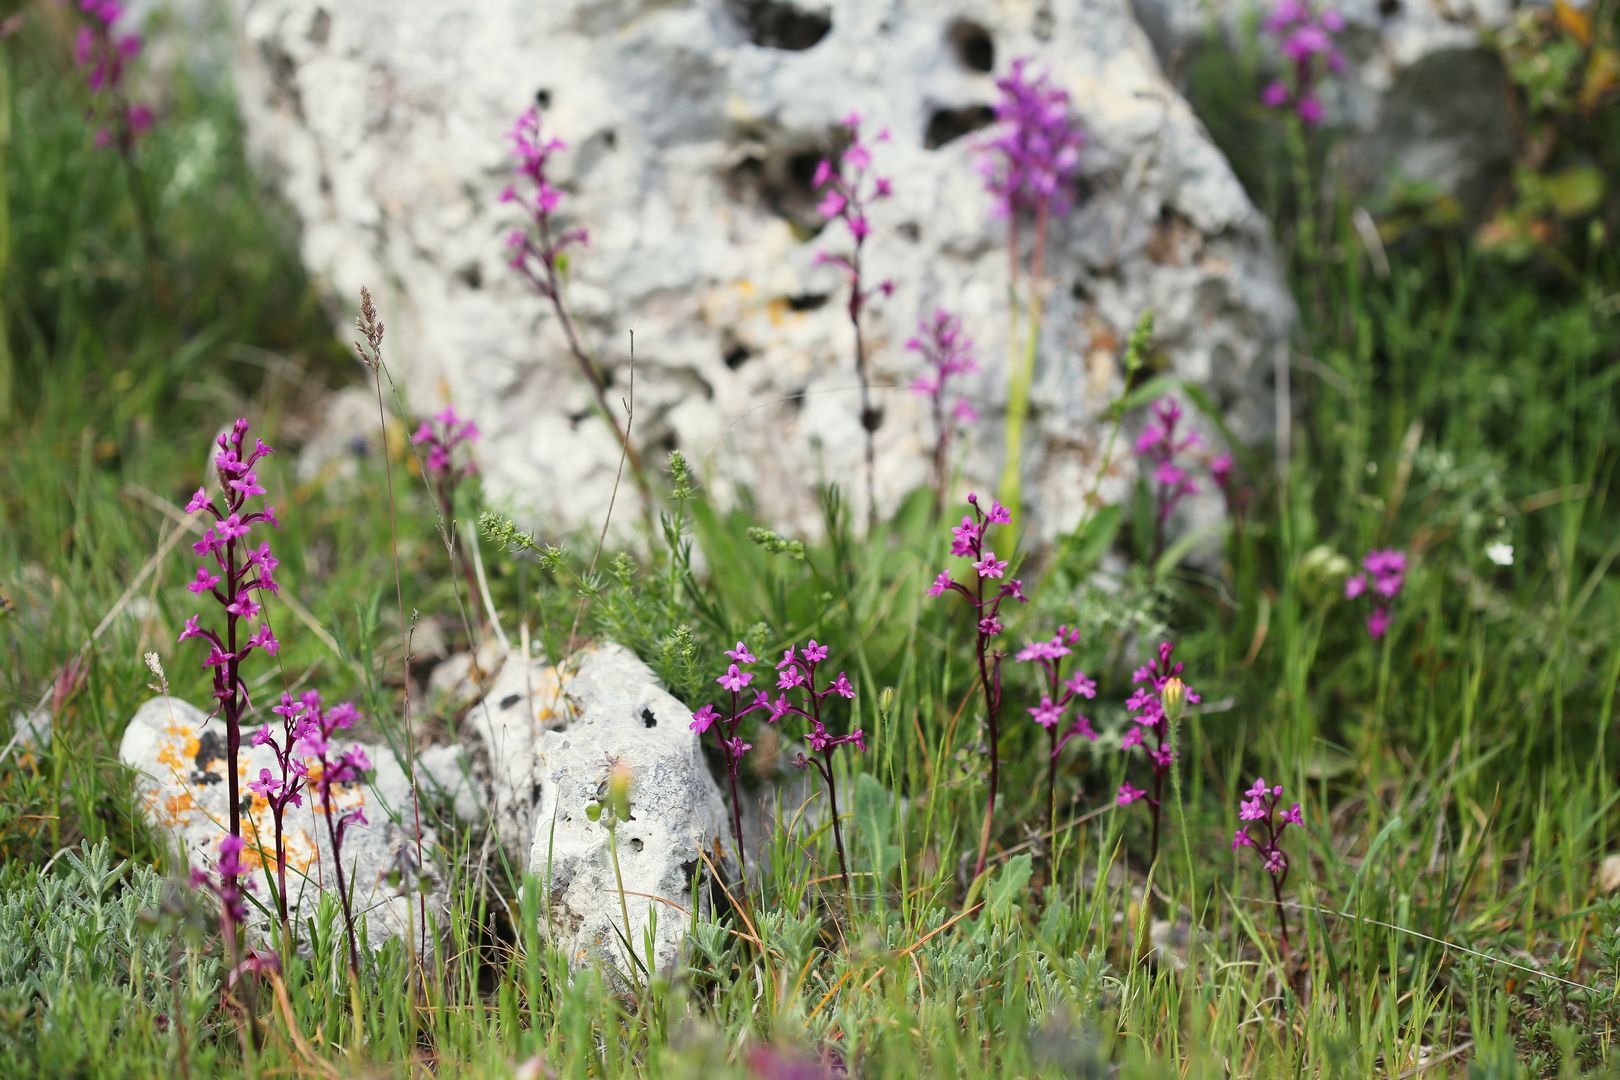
(1306, 40)
(1385, 573)
(848, 187)
(440, 436)
(1030, 164)
(801, 693)
(102, 50)
(1059, 693)
(227, 882)
(968, 542)
(1156, 703)
(546, 242)
(234, 571)
(309, 729)
(1160, 445)
(948, 352)
(1259, 809)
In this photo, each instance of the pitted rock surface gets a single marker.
(694, 130)
(550, 738)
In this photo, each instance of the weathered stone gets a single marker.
(178, 755)
(694, 129)
(1422, 97)
(550, 738)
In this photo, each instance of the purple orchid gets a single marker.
(1053, 708)
(1305, 38)
(242, 570)
(968, 542)
(1155, 705)
(1381, 583)
(948, 352)
(1262, 830)
(849, 187)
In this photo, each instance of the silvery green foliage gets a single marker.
(89, 924)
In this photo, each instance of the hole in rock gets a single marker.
(910, 230)
(948, 125)
(1389, 8)
(534, 794)
(972, 44)
(471, 275)
(648, 719)
(320, 27)
(542, 98)
(872, 418)
(777, 24)
(510, 700)
(781, 179)
(807, 301)
(636, 844)
(734, 352)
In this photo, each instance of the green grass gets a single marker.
(1459, 778)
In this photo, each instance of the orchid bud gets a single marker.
(1173, 697)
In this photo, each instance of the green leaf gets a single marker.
(874, 813)
(1008, 889)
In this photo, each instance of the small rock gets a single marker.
(178, 755)
(444, 773)
(465, 676)
(1609, 874)
(549, 738)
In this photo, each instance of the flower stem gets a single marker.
(343, 890)
(825, 767)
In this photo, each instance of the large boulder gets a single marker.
(547, 739)
(694, 130)
(178, 755)
(1424, 96)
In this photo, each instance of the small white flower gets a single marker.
(1500, 554)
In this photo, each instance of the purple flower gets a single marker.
(1029, 165)
(741, 654)
(1305, 40)
(988, 566)
(1160, 444)
(1259, 807)
(941, 583)
(948, 352)
(205, 581)
(264, 639)
(735, 679)
(813, 653)
(1048, 713)
(1128, 794)
(1384, 577)
(102, 52)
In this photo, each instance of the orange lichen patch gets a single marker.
(175, 809)
(777, 311)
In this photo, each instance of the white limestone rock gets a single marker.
(178, 756)
(694, 129)
(549, 739)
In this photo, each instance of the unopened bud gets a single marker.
(1173, 697)
(619, 792)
